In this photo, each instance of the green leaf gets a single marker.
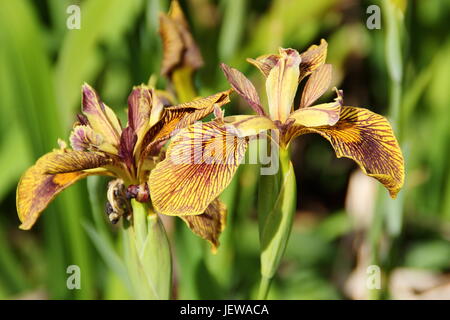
(102, 21)
(109, 254)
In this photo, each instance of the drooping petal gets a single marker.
(326, 114)
(368, 139)
(247, 125)
(282, 83)
(265, 63)
(180, 116)
(317, 84)
(313, 58)
(200, 163)
(101, 118)
(179, 47)
(210, 224)
(50, 175)
(243, 87)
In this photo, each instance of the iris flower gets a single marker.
(100, 146)
(202, 159)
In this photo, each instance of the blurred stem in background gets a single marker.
(387, 220)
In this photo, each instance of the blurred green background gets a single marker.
(344, 222)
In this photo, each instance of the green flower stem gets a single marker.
(184, 86)
(150, 263)
(276, 208)
(264, 287)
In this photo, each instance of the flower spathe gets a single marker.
(355, 133)
(100, 146)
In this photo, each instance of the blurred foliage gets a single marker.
(43, 65)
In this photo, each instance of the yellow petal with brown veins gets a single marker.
(51, 174)
(210, 224)
(200, 163)
(175, 118)
(368, 139)
(313, 58)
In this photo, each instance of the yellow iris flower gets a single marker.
(201, 160)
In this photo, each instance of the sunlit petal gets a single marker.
(247, 125)
(326, 114)
(281, 84)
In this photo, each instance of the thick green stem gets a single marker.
(276, 208)
(264, 287)
(150, 264)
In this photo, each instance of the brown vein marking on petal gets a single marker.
(317, 84)
(71, 161)
(180, 116)
(101, 118)
(368, 139)
(40, 184)
(313, 58)
(200, 163)
(210, 224)
(179, 47)
(126, 147)
(243, 87)
(265, 63)
(82, 119)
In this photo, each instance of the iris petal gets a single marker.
(210, 224)
(368, 139)
(52, 173)
(200, 163)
